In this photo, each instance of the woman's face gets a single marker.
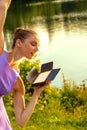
(29, 47)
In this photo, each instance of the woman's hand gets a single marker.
(38, 89)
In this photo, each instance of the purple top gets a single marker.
(4, 120)
(8, 77)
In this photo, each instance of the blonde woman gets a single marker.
(25, 44)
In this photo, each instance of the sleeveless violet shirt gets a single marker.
(8, 77)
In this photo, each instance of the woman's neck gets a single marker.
(14, 59)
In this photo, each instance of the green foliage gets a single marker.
(64, 109)
(25, 67)
(72, 96)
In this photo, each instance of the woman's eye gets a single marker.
(33, 44)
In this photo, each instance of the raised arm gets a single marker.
(4, 5)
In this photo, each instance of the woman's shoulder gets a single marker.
(3, 53)
(3, 59)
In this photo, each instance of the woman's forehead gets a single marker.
(34, 39)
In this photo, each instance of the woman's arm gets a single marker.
(23, 114)
(4, 5)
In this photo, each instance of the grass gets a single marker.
(52, 117)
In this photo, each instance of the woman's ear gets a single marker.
(18, 43)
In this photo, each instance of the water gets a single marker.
(62, 27)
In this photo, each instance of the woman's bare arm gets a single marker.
(4, 5)
(23, 113)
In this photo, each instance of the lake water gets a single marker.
(62, 27)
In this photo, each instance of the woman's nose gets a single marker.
(36, 48)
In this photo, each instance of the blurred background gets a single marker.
(62, 27)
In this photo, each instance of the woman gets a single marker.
(25, 44)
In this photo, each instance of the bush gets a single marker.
(72, 96)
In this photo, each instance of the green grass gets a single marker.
(52, 117)
(64, 109)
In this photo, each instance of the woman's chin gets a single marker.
(30, 57)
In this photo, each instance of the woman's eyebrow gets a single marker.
(35, 42)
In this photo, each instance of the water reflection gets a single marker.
(62, 27)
